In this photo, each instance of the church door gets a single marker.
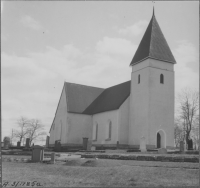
(158, 140)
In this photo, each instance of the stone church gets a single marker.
(119, 116)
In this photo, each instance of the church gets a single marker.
(121, 115)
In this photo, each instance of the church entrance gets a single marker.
(161, 139)
(158, 140)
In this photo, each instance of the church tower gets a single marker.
(152, 91)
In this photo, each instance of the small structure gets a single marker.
(85, 143)
(57, 146)
(53, 158)
(6, 142)
(190, 144)
(18, 144)
(37, 153)
(143, 144)
(47, 141)
(27, 143)
(89, 145)
(181, 146)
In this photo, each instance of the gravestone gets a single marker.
(85, 142)
(190, 144)
(93, 148)
(143, 144)
(37, 153)
(47, 141)
(185, 146)
(27, 143)
(6, 143)
(89, 145)
(53, 158)
(162, 151)
(181, 146)
(18, 144)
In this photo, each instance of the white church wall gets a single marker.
(60, 121)
(79, 126)
(139, 103)
(124, 122)
(102, 119)
(161, 102)
(152, 103)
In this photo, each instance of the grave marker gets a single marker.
(162, 151)
(143, 144)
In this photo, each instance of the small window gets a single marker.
(138, 78)
(161, 79)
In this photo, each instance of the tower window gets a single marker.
(138, 78)
(161, 79)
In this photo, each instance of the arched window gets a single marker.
(138, 78)
(161, 79)
(109, 129)
(95, 131)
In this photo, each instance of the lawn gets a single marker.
(103, 172)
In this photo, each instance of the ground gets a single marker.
(104, 173)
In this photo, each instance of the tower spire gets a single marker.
(153, 7)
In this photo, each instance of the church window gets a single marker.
(95, 131)
(161, 79)
(138, 78)
(109, 129)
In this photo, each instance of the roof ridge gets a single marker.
(83, 85)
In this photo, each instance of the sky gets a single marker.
(45, 43)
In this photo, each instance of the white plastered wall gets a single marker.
(152, 103)
(58, 133)
(124, 121)
(79, 127)
(102, 120)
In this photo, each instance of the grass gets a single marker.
(103, 172)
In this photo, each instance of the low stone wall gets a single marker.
(144, 157)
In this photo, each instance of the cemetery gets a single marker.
(69, 168)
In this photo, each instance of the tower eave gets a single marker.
(149, 57)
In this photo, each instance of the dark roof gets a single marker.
(79, 97)
(153, 45)
(110, 99)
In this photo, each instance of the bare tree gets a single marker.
(188, 110)
(178, 132)
(35, 130)
(22, 123)
(195, 133)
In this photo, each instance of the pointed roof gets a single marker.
(153, 45)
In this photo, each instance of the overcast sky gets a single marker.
(44, 43)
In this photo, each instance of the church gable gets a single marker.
(79, 97)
